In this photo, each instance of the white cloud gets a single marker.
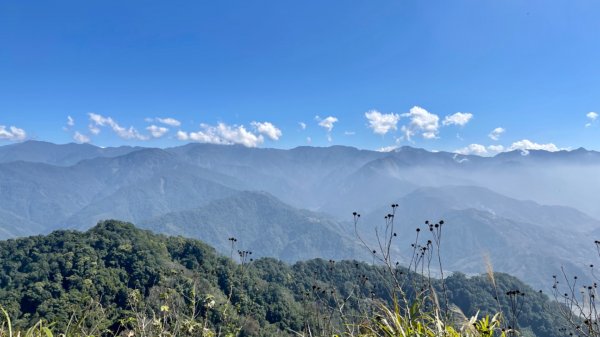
(382, 123)
(157, 131)
(267, 129)
(495, 148)
(308, 140)
(458, 159)
(125, 133)
(182, 135)
(94, 129)
(327, 123)
(496, 133)
(459, 118)
(349, 133)
(12, 133)
(526, 145)
(70, 121)
(80, 138)
(592, 116)
(476, 149)
(421, 121)
(222, 134)
(523, 145)
(387, 148)
(169, 121)
(99, 120)
(302, 125)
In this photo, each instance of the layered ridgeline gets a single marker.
(528, 212)
(114, 275)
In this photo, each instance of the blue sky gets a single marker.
(252, 71)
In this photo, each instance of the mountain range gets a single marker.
(529, 212)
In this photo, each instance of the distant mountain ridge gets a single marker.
(296, 204)
(61, 155)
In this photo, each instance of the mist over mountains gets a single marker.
(529, 212)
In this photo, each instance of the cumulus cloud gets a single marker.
(182, 135)
(169, 121)
(267, 129)
(523, 145)
(592, 116)
(476, 149)
(157, 131)
(12, 133)
(459, 118)
(526, 144)
(387, 148)
(496, 133)
(382, 123)
(495, 148)
(421, 122)
(80, 138)
(327, 123)
(94, 129)
(302, 125)
(98, 121)
(70, 123)
(222, 134)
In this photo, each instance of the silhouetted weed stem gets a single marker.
(580, 308)
(437, 236)
(515, 307)
(385, 258)
(233, 242)
(424, 298)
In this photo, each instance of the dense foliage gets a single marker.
(113, 275)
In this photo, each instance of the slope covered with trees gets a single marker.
(115, 277)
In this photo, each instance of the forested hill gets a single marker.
(112, 275)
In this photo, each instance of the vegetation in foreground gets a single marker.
(118, 280)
